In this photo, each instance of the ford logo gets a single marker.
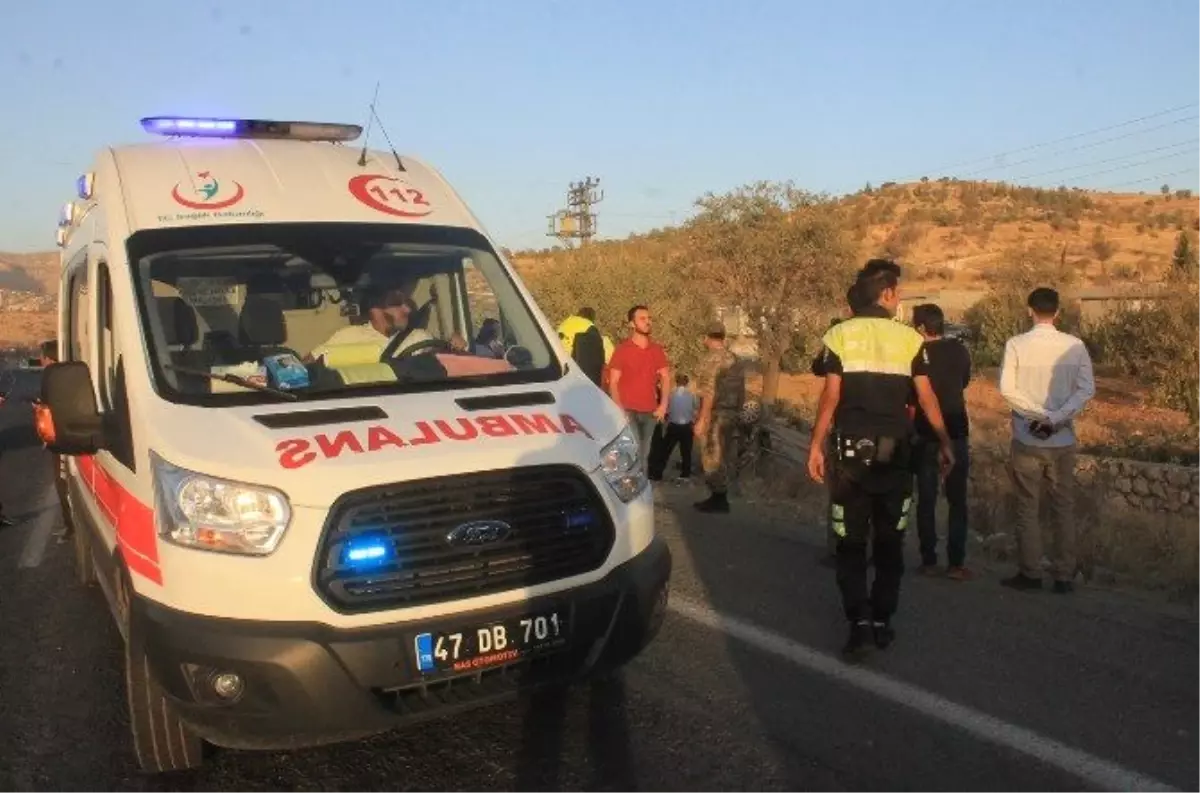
(479, 532)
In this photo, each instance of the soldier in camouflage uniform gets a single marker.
(721, 388)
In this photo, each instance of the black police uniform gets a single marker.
(871, 471)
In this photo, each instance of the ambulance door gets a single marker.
(127, 524)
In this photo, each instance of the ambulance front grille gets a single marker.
(446, 538)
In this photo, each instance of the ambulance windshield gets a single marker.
(330, 309)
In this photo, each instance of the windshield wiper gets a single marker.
(233, 378)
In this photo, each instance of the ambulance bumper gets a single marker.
(304, 684)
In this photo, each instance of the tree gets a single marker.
(1184, 260)
(780, 253)
(612, 277)
(1157, 343)
(1002, 313)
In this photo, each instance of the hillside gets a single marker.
(28, 284)
(947, 232)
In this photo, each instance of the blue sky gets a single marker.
(662, 101)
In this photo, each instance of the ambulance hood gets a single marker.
(316, 451)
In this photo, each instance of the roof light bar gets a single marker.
(179, 126)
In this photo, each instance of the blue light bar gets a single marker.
(368, 552)
(186, 126)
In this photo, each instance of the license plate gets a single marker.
(490, 644)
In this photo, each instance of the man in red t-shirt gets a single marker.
(640, 378)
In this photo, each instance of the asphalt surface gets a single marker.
(985, 689)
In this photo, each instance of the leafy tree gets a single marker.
(1002, 313)
(614, 277)
(781, 254)
(1157, 343)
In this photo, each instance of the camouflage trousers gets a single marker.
(718, 448)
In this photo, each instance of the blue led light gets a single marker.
(368, 552)
(190, 126)
(578, 520)
(187, 126)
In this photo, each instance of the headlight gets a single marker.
(623, 466)
(199, 511)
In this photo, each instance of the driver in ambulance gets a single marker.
(388, 313)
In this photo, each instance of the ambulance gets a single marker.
(322, 453)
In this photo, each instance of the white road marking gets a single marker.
(39, 534)
(1096, 771)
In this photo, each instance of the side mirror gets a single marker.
(67, 418)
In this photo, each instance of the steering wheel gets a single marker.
(389, 352)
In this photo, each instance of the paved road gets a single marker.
(985, 688)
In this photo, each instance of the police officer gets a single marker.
(872, 363)
(721, 389)
(585, 343)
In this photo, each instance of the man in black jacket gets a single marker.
(950, 373)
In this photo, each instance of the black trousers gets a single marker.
(870, 504)
(682, 435)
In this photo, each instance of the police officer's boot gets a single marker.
(717, 502)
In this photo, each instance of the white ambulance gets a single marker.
(321, 451)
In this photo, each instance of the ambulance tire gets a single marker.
(161, 741)
(85, 566)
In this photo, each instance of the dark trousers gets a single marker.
(928, 484)
(681, 435)
(870, 505)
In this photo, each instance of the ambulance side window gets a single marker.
(77, 309)
(110, 375)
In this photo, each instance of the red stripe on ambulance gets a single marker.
(299, 452)
(132, 520)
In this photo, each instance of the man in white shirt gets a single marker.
(1046, 378)
(681, 418)
(388, 313)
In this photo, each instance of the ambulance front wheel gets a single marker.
(161, 741)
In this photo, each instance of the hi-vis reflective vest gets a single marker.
(876, 358)
(572, 326)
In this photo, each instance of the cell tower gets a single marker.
(577, 221)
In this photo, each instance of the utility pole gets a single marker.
(577, 221)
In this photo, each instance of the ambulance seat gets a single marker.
(181, 332)
(262, 328)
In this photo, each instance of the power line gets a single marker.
(1152, 178)
(1123, 167)
(1091, 145)
(1102, 162)
(1075, 136)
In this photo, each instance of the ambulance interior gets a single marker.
(226, 309)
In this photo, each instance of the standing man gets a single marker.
(681, 424)
(721, 389)
(853, 304)
(1046, 378)
(871, 363)
(950, 374)
(639, 379)
(584, 342)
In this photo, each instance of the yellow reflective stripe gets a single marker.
(839, 523)
(903, 524)
(878, 367)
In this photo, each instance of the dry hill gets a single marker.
(947, 232)
(28, 286)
